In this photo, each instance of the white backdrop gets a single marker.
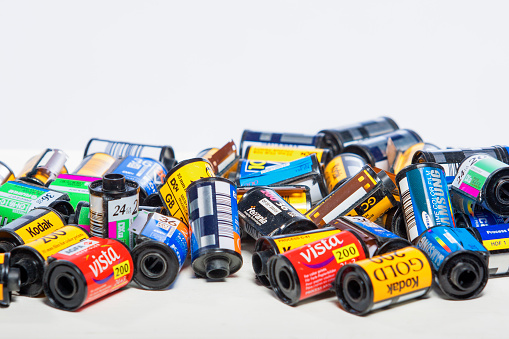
(194, 74)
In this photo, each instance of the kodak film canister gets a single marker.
(95, 165)
(6, 174)
(459, 260)
(481, 181)
(377, 239)
(309, 270)
(266, 247)
(119, 149)
(114, 203)
(9, 280)
(424, 198)
(266, 213)
(30, 258)
(337, 139)
(254, 138)
(298, 196)
(214, 228)
(451, 158)
(148, 173)
(36, 224)
(374, 150)
(43, 168)
(342, 167)
(384, 280)
(286, 154)
(356, 196)
(173, 191)
(161, 248)
(87, 271)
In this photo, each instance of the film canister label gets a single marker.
(76, 187)
(342, 167)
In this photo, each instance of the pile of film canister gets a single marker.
(369, 211)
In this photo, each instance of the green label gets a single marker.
(84, 217)
(75, 186)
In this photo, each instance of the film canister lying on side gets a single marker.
(223, 160)
(87, 271)
(162, 245)
(43, 168)
(9, 280)
(266, 247)
(214, 228)
(286, 154)
(31, 258)
(384, 280)
(342, 167)
(266, 213)
(309, 270)
(114, 203)
(95, 165)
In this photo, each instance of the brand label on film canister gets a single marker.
(173, 191)
(58, 240)
(282, 154)
(43, 225)
(76, 186)
(290, 242)
(341, 168)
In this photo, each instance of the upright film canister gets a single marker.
(266, 247)
(173, 191)
(459, 260)
(30, 258)
(36, 224)
(9, 280)
(366, 193)
(481, 181)
(114, 204)
(341, 168)
(161, 248)
(337, 139)
(310, 270)
(253, 138)
(374, 150)
(383, 280)
(43, 168)
(87, 271)
(214, 226)
(424, 197)
(95, 165)
(266, 213)
(119, 149)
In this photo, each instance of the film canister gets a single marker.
(162, 245)
(6, 174)
(43, 168)
(75, 186)
(173, 191)
(253, 138)
(95, 165)
(394, 221)
(377, 239)
(36, 224)
(214, 228)
(266, 213)
(384, 280)
(374, 150)
(114, 204)
(223, 160)
(9, 280)
(296, 195)
(87, 271)
(309, 270)
(30, 258)
(148, 173)
(481, 181)
(119, 149)
(286, 154)
(403, 159)
(341, 168)
(81, 216)
(337, 139)
(266, 247)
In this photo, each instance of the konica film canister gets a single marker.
(214, 226)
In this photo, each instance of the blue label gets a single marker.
(148, 173)
(248, 167)
(439, 242)
(430, 198)
(494, 232)
(484, 218)
(165, 230)
(279, 173)
(372, 227)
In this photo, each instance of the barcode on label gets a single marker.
(224, 216)
(408, 209)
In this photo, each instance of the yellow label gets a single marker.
(289, 243)
(2, 258)
(282, 154)
(345, 253)
(58, 240)
(121, 269)
(397, 273)
(173, 191)
(40, 227)
(374, 209)
(496, 244)
(334, 172)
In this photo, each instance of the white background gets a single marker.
(195, 74)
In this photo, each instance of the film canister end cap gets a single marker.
(354, 290)
(14, 279)
(156, 265)
(259, 260)
(114, 182)
(217, 268)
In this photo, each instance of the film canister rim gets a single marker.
(401, 174)
(182, 164)
(68, 290)
(354, 289)
(284, 283)
(116, 182)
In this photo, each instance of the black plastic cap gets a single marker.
(114, 182)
